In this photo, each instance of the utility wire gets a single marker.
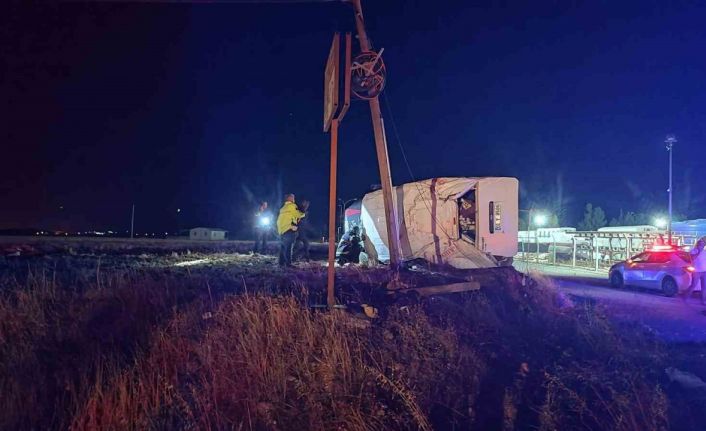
(416, 183)
(397, 136)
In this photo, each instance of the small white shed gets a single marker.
(207, 234)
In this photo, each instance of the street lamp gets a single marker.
(670, 140)
(178, 221)
(540, 220)
(660, 222)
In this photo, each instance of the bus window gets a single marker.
(495, 217)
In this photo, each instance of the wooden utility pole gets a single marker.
(381, 149)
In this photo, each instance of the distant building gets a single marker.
(207, 234)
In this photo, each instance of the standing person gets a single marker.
(263, 225)
(303, 233)
(698, 261)
(287, 225)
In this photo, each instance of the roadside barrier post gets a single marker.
(573, 254)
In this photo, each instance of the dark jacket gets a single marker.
(305, 228)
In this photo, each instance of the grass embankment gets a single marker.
(137, 350)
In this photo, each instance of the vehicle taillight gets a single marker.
(690, 269)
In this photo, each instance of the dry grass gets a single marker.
(68, 322)
(113, 349)
(54, 339)
(261, 363)
(265, 363)
(554, 366)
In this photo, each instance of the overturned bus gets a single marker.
(461, 222)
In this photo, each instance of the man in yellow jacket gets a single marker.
(287, 221)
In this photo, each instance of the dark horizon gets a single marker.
(210, 108)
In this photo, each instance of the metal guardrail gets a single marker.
(591, 249)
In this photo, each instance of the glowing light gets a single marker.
(690, 268)
(658, 247)
(264, 221)
(540, 220)
(660, 222)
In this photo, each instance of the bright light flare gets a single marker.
(265, 221)
(540, 220)
(660, 222)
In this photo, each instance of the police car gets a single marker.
(663, 268)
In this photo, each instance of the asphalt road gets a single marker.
(674, 320)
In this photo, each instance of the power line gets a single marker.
(397, 136)
(415, 182)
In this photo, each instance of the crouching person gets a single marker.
(350, 247)
(287, 225)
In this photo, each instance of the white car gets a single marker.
(662, 268)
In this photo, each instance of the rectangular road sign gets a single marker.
(331, 77)
(346, 79)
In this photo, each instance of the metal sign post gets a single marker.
(331, 122)
(330, 273)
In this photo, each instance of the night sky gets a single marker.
(212, 107)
